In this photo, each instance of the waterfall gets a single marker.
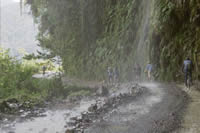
(142, 52)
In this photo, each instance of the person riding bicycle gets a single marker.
(187, 69)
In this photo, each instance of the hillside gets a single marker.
(120, 33)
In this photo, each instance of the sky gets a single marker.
(17, 32)
(6, 2)
(16, 0)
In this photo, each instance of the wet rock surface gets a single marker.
(97, 111)
(22, 109)
(51, 119)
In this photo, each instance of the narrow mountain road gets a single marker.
(191, 121)
(158, 109)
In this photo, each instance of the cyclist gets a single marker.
(187, 69)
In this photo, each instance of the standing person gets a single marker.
(116, 74)
(148, 70)
(187, 69)
(137, 70)
(44, 69)
(110, 75)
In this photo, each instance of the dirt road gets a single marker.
(191, 120)
(157, 109)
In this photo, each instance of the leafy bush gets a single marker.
(48, 88)
(17, 82)
(14, 74)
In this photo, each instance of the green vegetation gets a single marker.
(176, 35)
(14, 75)
(17, 82)
(90, 35)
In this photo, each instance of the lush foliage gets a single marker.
(14, 74)
(90, 35)
(176, 35)
(16, 79)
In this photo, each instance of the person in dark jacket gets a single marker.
(187, 69)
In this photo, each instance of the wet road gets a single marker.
(121, 119)
(154, 111)
(52, 121)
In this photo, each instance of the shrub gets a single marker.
(14, 74)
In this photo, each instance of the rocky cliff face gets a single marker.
(175, 35)
(91, 35)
